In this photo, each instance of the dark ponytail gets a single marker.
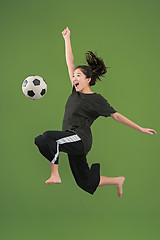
(95, 69)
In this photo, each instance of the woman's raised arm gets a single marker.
(68, 49)
(69, 54)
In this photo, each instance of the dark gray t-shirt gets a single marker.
(81, 110)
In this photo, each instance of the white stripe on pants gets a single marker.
(73, 138)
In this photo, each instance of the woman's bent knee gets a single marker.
(37, 140)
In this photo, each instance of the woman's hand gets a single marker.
(66, 33)
(148, 130)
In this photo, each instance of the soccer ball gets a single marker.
(34, 87)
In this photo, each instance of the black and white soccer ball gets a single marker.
(34, 87)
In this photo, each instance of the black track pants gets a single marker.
(50, 143)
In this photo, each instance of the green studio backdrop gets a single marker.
(126, 35)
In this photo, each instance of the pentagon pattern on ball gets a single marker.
(31, 93)
(25, 83)
(36, 82)
(43, 92)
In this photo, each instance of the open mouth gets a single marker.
(76, 84)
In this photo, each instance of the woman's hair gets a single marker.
(95, 69)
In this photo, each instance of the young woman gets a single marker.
(83, 107)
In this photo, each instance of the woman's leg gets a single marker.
(89, 178)
(50, 143)
(54, 178)
(67, 142)
(44, 148)
(117, 181)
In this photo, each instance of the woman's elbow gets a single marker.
(115, 115)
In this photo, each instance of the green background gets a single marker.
(126, 35)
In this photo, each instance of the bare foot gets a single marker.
(119, 185)
(53, 179)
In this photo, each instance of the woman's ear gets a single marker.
(88, 79)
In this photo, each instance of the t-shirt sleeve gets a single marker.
(104, 108)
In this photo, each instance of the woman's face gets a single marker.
(80, 78)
